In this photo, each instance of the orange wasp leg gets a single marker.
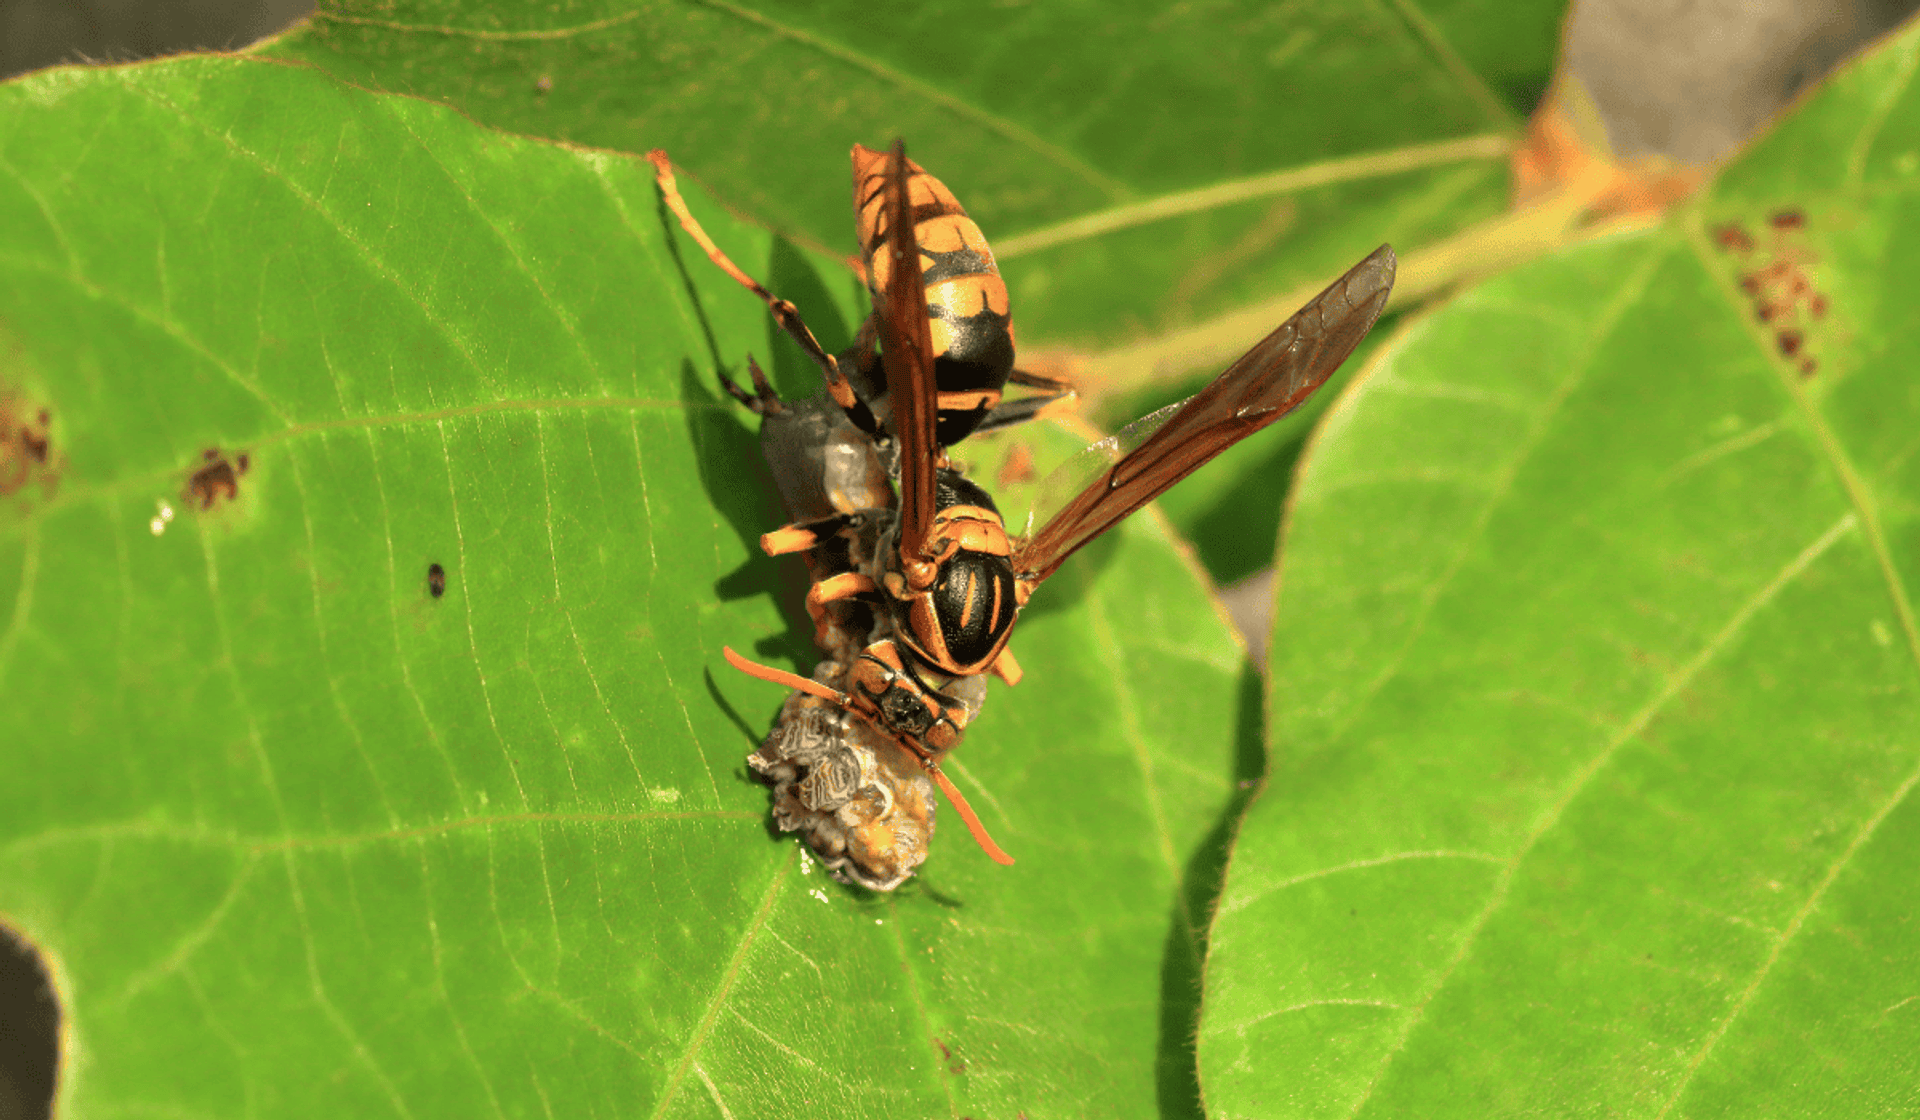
(785, 679)
(1006, 668)
(846, 585)
(784, 312)
(800, 536)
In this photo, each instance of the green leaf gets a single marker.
(300, 838)
(1035, 116)
(1594, 697)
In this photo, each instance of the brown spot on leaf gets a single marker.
(217, 480)
(27, 454)
(1732, 236)
(953, 1065)
(1781, 285)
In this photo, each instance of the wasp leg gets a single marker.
(1057, 397)
(802, 535)
(1006, 668)
(846, 585)
(784, 312)
(763, 401)
(1058, 385)
(862, 360)
(867, 342)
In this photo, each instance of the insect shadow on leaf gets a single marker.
(732, 473)
(726, 706)
(794, 277)
(741, 488)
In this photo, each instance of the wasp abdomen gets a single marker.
(971, 320)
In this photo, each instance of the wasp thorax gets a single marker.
(973, 603)
(957, 616)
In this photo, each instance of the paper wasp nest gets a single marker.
(863, 802)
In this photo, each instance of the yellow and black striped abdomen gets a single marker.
(972, 321)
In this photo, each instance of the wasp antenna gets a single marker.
(781, 677)
(960, 806)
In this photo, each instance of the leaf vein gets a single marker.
(1053, 153)
(1501, 484)
(781, 872)
(1583, 778)
(1876, 119)
(22, 598)
(1785, 937)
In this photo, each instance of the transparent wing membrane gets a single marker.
(1130, 469)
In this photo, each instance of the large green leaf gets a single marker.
(1595, 704)
(300, 839)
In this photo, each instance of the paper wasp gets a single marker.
(944, 567)
(829, 486)
(863, 801)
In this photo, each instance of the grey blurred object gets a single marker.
(40, 33)
(1249, 603)
(1691, 81)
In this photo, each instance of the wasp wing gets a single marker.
(906, 349)
(1267, 382)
